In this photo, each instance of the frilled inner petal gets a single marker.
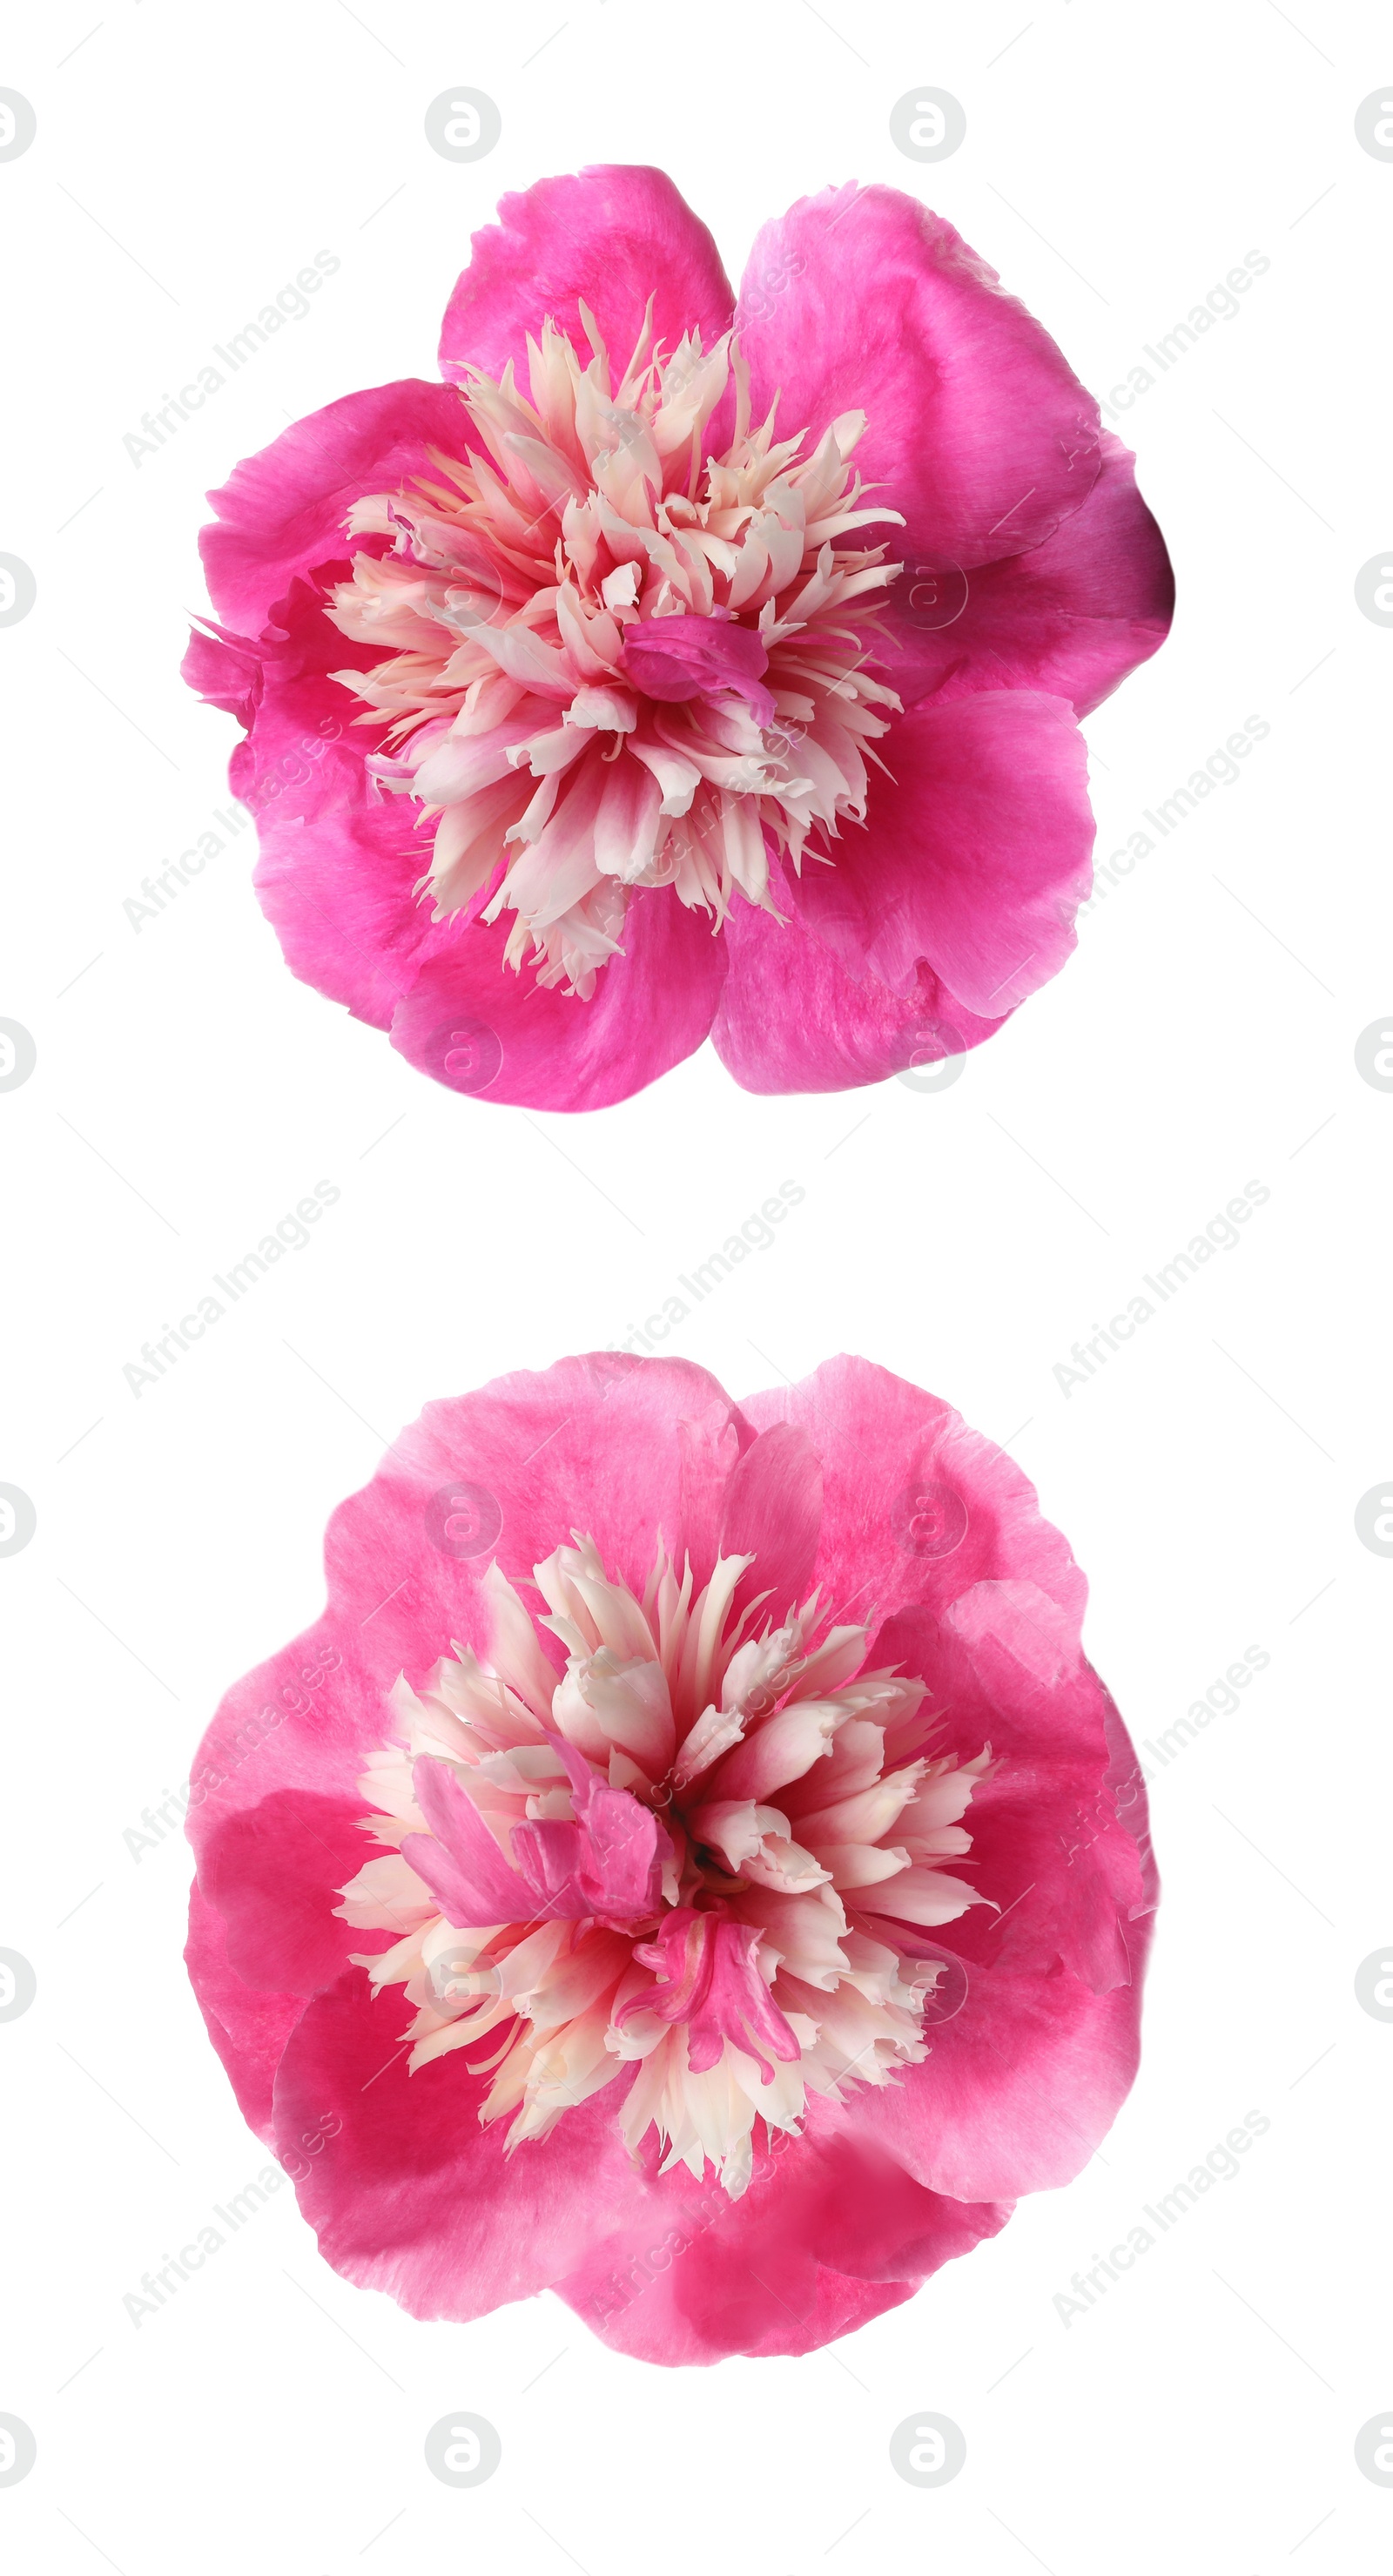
(611, 659)
(708, 1859)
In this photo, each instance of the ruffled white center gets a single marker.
(563, 755)
(727, 1851)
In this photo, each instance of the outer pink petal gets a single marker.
(1024, 2080)
(794, 1017)
(1073, 617)
(1027, 2076)
(832, 2231)
(1031, 2072)
(247, 2026)
(1059, 1834)
(980, 434)
(975, 859)
(917, 1507)
(477, 1026)
(281, 512)
(339, 860)
(1018, 2090)
(773, 1510)
(411, 2196)
(608, 237)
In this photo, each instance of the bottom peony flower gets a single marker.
(757, 1884)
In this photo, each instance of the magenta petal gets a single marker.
(609, 1863)
(860, 299)
(608, 237)
(675, 658)
(477, 1026)
(624, 1848)
(339, 860)
(794, 1017)
(282, 512)
(1072, 617)
(975, 859)
(707, 1977)
(463, 1866)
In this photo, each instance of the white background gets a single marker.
(1118, 162)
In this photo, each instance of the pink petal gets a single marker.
(773, 1508)
(830, 2234)
(1059, 1833)
(608, 1863)
(339, 859)
(411, 2196)
(247, 2026)
(1072, 617)
(1020, 2087)
(707, 1977)
(609, 237)
(281, 513)
(462, 1865)
(273, 1873)
(675, 658)
(974, 860)
(545, 1049)
(981, 432)
(917, 1508)
(794, 1017)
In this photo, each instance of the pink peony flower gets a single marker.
(690, 1865)
(685, 665)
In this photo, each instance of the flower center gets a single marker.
(711, 1856)
(610, 663)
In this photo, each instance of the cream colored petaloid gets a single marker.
(621, 661)
(764, 1943)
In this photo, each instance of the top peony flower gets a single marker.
(558, 702)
